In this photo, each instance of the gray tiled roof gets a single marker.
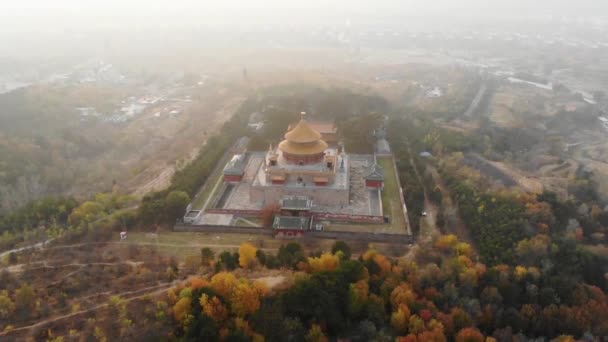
(291, 222)
(296, 202)
(375, 173)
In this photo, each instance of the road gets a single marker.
(476, 100)
(453, 221)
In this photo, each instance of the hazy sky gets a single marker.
(41, 14)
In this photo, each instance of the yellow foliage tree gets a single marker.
(402, 294)
(247, 257)
(182, 308)
(520, 272)
(245, 299)
(446, 242)
(326, 262)
(213, 307)
(224, 283)
(400, 319)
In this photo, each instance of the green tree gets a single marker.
(175, 205)
(341, 246)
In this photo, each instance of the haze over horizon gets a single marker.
(32, 15)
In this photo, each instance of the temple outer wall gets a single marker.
(320, 196)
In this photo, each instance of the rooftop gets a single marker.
(375, 173)
(291, 222)
(236, 165)
(303, 133)
(323, 127)
(296, 202)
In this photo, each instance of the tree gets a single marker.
(315, 334)
(227, 260)
(289, 255)
(207, 255)
(7, 307)
(245, 299)
(175, 205)
(326, 262)
(224, 283)
(182, 308)
(341, 246)
(213, 307)
(400, 319)
(24, 300)
(469, 335)
(261, 257)
(247, 255)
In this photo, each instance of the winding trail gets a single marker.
(159, 289)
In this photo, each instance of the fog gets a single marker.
(42, 15)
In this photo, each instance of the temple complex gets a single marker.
(303, 164)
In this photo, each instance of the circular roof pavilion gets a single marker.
(303, 140)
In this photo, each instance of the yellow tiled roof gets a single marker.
(315, 147)
(303, 133)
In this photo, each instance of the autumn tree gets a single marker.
(469, 335)
(326, 262)
(247, 255)
(7, 307)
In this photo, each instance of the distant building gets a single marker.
(433, 93)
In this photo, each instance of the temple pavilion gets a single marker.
(303, 164)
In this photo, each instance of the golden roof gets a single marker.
(303, 133)
(303, 140)
(305, 149)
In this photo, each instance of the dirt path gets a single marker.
(20, 267)
(159, 289)
(453, 221)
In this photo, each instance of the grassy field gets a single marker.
(180, 245)
(391, 201)
(207, 191)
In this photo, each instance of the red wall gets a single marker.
(315, 158)
(373, 184)
(286, 233)
(232, 178)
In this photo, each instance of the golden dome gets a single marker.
(303, 133)
(306, 149)
(303, 140)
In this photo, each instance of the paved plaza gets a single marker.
(362, 201)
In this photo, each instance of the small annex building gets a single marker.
(291, 226)
(235, 168)
(296, 206)
(375, 177)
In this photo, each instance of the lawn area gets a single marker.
(207, 191)
(391, 201)
(182, 244)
